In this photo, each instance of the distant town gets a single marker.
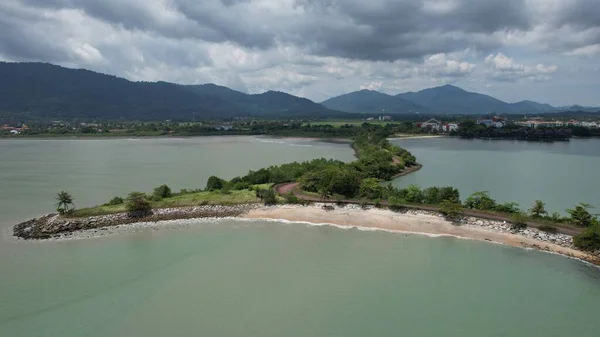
(532, 128)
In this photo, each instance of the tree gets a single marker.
(431, 195)
(162, 191)
(371, 188)
(214, 183)
(581, 217)
(413, 194)
(450, 210)
(480, 201)
(65, 200)
(137, 205)
(538, 209)
(449, 193)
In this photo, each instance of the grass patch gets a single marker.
(183, 200)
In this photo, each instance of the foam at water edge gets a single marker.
(134, 227)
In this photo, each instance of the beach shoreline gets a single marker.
(425, 223)
(414, 222)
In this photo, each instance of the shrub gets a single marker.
(548, 229)
(242, 185)
(508, 207)
(116, 201)
(226, 189)
(155, 198)
(588, 240)
(519, 221)
(137, 205)
(214, 183)
(162, 191)
(268, 197)
(450, 210)
(556, 217)
(292, 199)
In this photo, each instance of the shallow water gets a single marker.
(233, 278)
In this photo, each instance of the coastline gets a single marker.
(425, 223)
(348, 216)
(417, 137)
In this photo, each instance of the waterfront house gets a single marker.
(449, 127)
(432, 124)
(491, 123)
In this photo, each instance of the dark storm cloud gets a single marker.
(367, 30)
(20, 40)
(579, 13)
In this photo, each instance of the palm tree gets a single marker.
(64, 200)
(538, 209)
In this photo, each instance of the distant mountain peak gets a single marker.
(46, 91)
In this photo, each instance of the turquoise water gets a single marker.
(238, 278)
(561, 174)
(267, 279)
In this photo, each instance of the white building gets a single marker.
(432, 124)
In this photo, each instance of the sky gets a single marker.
(542, 50)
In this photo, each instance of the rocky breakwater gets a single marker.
(542, 237)
(532, 233)
(55, 225)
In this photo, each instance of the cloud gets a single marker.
(309, 47)
(440, 65)
(586, 51)
(504, 68)
(371, 85)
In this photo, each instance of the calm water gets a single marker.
(236, 278)
(561, 174)
(94, 171)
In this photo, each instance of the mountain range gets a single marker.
(46, 91)
(446, 99)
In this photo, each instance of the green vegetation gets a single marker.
(137, 204)
(450, 209)
(115, 201)
(519, 221)
(360, 181)
(65, 201)
(538, 209)
(588, 240)
(581, 217)
(162, 191)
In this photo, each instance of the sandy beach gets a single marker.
(412, 222)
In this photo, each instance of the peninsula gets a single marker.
(342, 194)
